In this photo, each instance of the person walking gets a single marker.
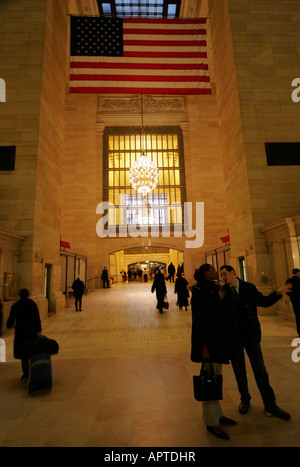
(208, 344)
(104, 277)
(24, 315)
(182, 291)
(171, 272)
(294, 295)
(159, 286)
(78, 289)
(243, 332)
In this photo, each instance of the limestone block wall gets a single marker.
(21, 57)
(33, 64)
(47, 220)
(256, 56)
(266, 43)
(238, 206)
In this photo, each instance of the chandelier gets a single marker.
(143, 173)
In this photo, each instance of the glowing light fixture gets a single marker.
(143, 173)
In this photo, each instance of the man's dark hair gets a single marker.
(296, 270)
(227, 267)
(24, 293)
(200, 272)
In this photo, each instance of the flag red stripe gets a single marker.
(114, 90)
(165, 32)
(141, 66)
(166, 79)
(165, 43)
(165, 21)
(166, 54)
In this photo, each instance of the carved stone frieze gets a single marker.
(133, 105)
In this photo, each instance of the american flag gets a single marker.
(138, 56)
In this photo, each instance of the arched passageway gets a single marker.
(145, 259)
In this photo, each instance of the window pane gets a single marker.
(161, 177)
(111, 143)
(166, 177)
(132, 143)
(159, 142)
(116, 143)
(165, 142)
(172, 177)
(175, 141)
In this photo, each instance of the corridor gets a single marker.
(123, 378)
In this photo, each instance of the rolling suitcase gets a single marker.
(40, 373)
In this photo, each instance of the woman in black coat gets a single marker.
(160, 286)
(182, 292)
(208, 339)
(24, 315)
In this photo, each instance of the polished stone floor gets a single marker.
(123, 378)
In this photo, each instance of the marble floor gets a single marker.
(123, 378)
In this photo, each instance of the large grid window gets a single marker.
(122, 147)
(140, 8)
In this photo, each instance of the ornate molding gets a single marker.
(132, 105)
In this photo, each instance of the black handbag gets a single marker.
(40, 345)
(208, 386)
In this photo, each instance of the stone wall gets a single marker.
(33, 64)
(256, 47)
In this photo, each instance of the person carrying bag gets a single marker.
(159, 286)
(208, 386)
(208, 348)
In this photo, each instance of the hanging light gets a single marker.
(143, 173)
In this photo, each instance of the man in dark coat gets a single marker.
(243, 331)
(208, 339)
(78, 289)
(182, 291)
(161, 290)
(104, 277)
(171, 272)
(295, 295)
(24, 314)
